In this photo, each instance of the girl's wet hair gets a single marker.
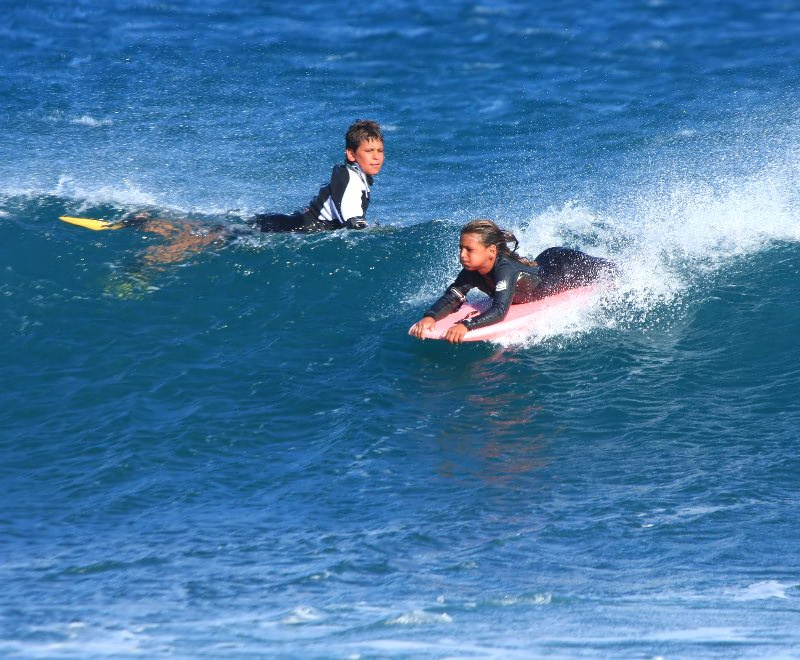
(491, 234)
(360, 131)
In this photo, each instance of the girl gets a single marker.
(494, 268)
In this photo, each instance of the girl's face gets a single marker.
(474, 255)
(369, 156)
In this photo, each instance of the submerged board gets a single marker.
(91, 223)
(519, 320)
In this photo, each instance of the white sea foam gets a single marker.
(536, 599)
(78, 120)
(302, 615)
(123, 193)
(420, 617)
(82, 639)
(764, 590)
(86, 120)
(716, 634)
(670, 235)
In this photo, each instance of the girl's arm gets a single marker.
(506, 283)
(454, 297)
(420, 327)
(452, 300)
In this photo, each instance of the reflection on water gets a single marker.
(497, 434)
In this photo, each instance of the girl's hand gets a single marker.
(420, 327)
(455, 333)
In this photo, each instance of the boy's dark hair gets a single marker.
(360, 131)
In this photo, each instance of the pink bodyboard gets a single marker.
(520, 318)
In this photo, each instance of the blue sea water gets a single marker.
(242, 453)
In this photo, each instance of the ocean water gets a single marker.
(237, 451)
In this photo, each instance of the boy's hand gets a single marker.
(357, 223)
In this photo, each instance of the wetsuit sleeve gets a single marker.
(342, 202)
(352, 203)
(340, 178)
(453, 298)
(505, 284)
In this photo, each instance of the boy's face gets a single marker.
(369, 156)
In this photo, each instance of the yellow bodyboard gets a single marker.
(92, 223)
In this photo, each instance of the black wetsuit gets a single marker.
(511, 282)
(340, 203)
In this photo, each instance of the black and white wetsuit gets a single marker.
(511, 282)
(340, 203)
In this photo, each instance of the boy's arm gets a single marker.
(349, 197)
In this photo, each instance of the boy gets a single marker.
(342, 202)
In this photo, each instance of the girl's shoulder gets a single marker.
(507, 263)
